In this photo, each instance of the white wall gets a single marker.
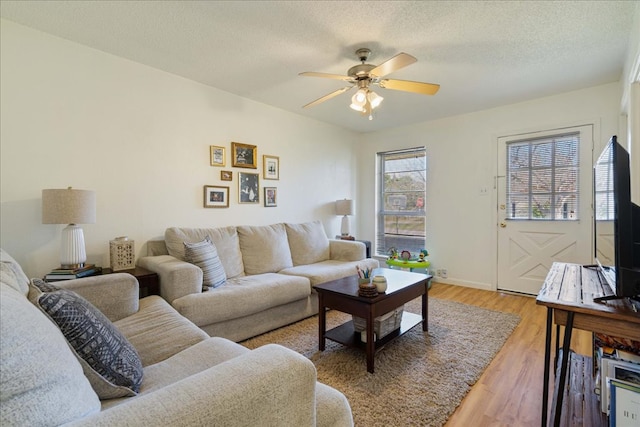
(633, 138)
(140, 137)
(462, 158)
(630, 104)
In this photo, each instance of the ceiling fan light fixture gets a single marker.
(359, 100)
(374, 99)
(363, 76)
(360, 97)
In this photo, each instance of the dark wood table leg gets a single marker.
(371, 342)
(322, 321)
(557, 352)
(425, 307)
(547, 360)
(563, 367)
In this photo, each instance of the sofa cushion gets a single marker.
(204, 255)
(41, 381)
(224, 238)
(191, 361)
(265, 248)
(325, 271)
(243, 296)
(158, 331)
(308, 242)
(12, 273)
(109, 361)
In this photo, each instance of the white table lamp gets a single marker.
(70, 207)
(344, 207)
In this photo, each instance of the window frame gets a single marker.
(383, 192)
(553, 167)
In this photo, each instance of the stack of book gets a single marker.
(617, 365)
(72, 273)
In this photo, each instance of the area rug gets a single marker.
(420, 378)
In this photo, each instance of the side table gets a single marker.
(147, 280)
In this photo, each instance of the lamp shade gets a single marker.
(68, 206)
(344, 207)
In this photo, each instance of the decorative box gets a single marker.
(382, 326)
(122, 254)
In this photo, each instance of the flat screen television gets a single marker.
(616, 223)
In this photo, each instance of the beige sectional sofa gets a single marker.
(270, 274)
(186, 378)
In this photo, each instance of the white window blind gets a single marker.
(542, 178)
(401, 220)
(605, 206)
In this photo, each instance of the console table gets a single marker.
(568, 293)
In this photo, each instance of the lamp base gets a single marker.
(72, 252)
(344, 229)
(71, 266)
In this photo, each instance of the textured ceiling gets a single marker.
(483, 54)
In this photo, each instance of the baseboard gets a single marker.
(465, 283)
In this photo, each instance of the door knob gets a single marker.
(503, 224)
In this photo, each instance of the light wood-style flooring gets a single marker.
(509, 392)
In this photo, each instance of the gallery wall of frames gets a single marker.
(247, 189)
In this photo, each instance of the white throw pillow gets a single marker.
(10, 266)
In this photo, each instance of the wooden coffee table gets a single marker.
(342, 295)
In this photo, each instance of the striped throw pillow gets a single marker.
(204, 255)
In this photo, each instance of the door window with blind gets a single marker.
(401, 221)
(542, 178)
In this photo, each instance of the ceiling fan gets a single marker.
(364, 75)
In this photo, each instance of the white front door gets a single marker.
(544, 204)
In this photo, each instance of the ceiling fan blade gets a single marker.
(325, 75)
(399, 61)
(329, 96)
(409, 86)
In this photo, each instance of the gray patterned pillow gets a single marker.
(204, 255)
(109, 361)
(38, 286)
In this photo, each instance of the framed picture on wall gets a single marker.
(216, 155)
(244, 155)
(270, 197)
(271, 166)
(226, 175)
(248, 186)
(216, 196)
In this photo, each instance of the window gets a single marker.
(542, 178)
(605, 205)
(401, 221)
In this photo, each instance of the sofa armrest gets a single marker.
(269, 386)
(177, 278)
(347, 250)
(115, 295)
